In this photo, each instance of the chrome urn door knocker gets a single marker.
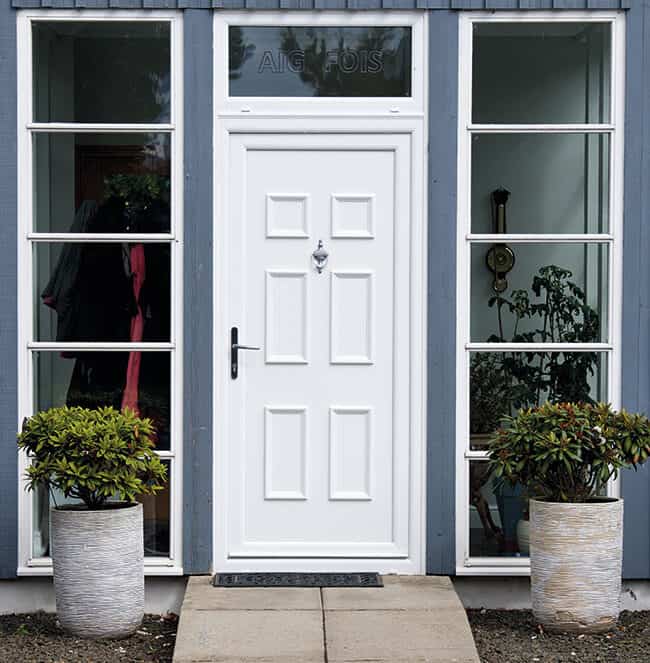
(320, 256)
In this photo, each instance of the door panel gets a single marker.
(319, 420)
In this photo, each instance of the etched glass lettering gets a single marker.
(267, 61)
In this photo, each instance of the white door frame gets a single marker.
(289, 118)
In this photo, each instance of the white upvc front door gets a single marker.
(321, 454)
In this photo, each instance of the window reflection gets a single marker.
(501, 383)
(137, 380)
(156, 517)
(555, 293)
(559, 183)
(155, 512)
(73, 172)
(320, 61)
(541, 72)
(498, 515)
(90, 292)
(108, 71)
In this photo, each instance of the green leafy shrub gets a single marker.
(566, 452)
(92, 455)
(555, 311)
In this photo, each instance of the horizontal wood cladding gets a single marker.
(323, 4)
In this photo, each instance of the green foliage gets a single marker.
(137, 191)
(555, 311)
(490, 392)
(92, 455)
(562, 315)
(566, 452)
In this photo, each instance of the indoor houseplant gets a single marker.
(104, 458)
(553, 310)
(566, 453)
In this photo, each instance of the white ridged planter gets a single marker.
(576, 554)
(98, 559)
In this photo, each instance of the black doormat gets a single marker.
(297, 580)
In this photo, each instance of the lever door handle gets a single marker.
(235, 347)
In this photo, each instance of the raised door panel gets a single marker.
(320, 455)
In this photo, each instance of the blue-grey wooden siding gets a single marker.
(8, 301)
(329, 4)
(441, 333)
(636, 280)
(197, 398)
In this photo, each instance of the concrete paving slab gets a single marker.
(411, 620)
(246, 636)
(398, 593)
(201, 595)
(397, 636)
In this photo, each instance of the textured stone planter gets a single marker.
(575, 556)
(98, 562)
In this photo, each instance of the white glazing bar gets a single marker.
(83, 128)
(483, 571)
(540, 128)
(539, 347)
(92, 15)
(45, 564)
(476, 455)
(556, 238)
(99, 347)
(165, 455)
(98, 238)
(498, 561)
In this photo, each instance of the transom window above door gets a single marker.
(334, 62)
(313, 61)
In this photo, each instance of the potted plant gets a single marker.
(104, 458)
(566, 453)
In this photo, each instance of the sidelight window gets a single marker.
(100, 146)
(539, 241)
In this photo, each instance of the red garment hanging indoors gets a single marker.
(138, 270)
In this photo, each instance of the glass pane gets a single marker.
(558, 183)
(156, 513)
(102, 183)
(91, 292)
(501, 383)
(101, 71)
(496, 512)
(554, 293)
(541, 73)
(320, 61)
(137, 380)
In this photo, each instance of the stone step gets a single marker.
(412, 619)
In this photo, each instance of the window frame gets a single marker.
(28, 238)
(227, 106)
(466, 564)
